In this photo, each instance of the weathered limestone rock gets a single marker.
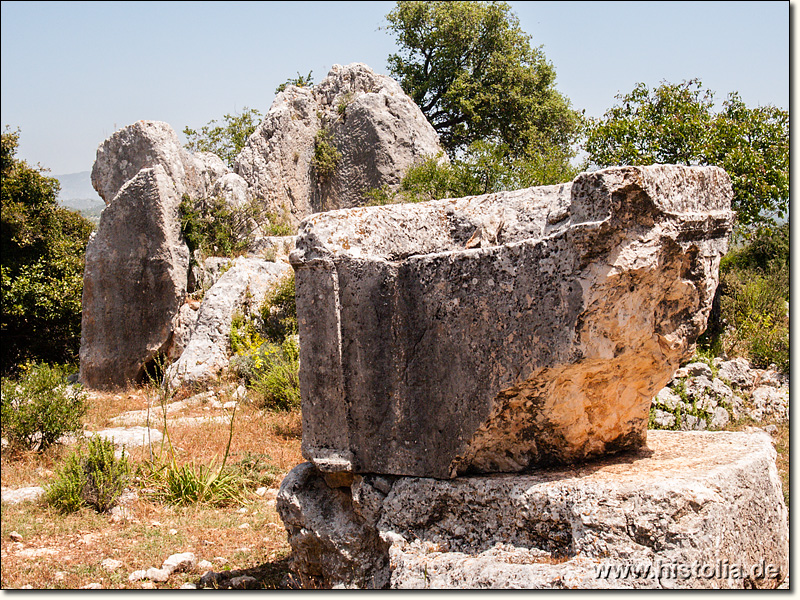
(378, 130)
(146, 144)
(135, 278)
(696, 502)
(502, 332)
(134, 281)
(206, 354)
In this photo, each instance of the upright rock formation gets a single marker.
(374, 126)
(501, 332)
(137, 262)
(134, 281)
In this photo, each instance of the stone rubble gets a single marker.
(710, 396)
(175, 563)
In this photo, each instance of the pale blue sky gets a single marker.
(73, 72)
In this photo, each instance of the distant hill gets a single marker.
(78, 194)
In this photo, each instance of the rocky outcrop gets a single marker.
(240, 288)
(134, 281)
(710, 395)
(138, 276)
(501, 332)
(693, 510)
(144, 145)
(135, 278)
(376, 129)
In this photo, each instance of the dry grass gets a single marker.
(66, 551)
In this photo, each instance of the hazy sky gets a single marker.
(74, 72)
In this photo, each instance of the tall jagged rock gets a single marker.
(137, 262)
(134, 281)
(497, 333)
(378, 131)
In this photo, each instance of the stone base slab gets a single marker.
(691, 510)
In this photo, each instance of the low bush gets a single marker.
(326, 156)
(279, 311)
(753, 318)
(95, 479)
(266, 348)
(215, 228)
(278, 381)
(40, 407)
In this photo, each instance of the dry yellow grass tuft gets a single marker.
(66, 551)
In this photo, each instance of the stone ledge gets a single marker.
(688, 500)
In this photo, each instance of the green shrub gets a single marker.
(299, 81)
(279, 311)
(279, 224)
(39, 407)
(95, 479)
(278, 380)
(753, 319)
(216, 228)
(326, 156)
(267, 354)
(755, 309)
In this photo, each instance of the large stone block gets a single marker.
(500, 332)
(692, 510)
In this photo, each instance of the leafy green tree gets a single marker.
(473, 72)
(43, 247)
(676, 123)
(224, 139)
(483, 168)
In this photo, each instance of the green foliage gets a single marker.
(257, 469)
(279, 311)
(482, 168)
(755, 307)
(194, 483)
(95, 479)
(267, 354)
(754, 301)
(675, 123)
(326, 156)
(43, 248)
(299, 81)
(224, 139)
(473, 72)
(216, 228)
(278, 382)
(39, 407)
(344, 102)
(245, 334)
